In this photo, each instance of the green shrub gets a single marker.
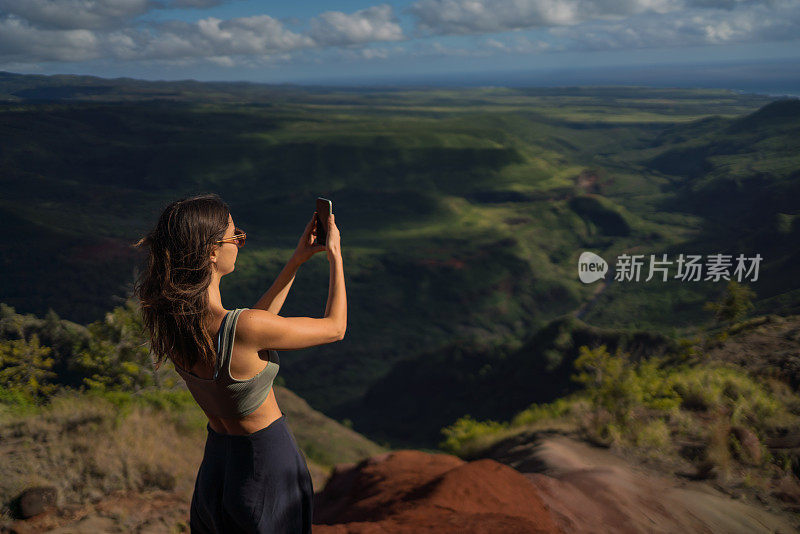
(732, 306)
(17, 403)
(653, 434)
(611, 382)
(540, 412)
(116, 355)
(613, 434)
(656, 385)
(467, 429)
(727, 388)
(25, 368)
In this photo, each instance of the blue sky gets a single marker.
(356, 40)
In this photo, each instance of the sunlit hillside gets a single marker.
(462, 212)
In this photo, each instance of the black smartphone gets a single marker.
(324, 210)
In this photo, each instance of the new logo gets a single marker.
(591, 267)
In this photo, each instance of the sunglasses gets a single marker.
(238, 238)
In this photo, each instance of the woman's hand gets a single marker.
(305, 247)
(333, 240)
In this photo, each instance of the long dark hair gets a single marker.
(172, 289)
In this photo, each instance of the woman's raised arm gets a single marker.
(263, 329)
(260, 330)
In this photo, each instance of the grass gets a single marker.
(84, 444)
(91, 443)
(649, 409)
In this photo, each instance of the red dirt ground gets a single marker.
(412, 491)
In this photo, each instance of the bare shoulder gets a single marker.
(251, 319)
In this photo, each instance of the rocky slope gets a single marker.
(534, 483)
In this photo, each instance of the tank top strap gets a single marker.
(220, 337)
(227, 333)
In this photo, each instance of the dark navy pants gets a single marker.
(256, 483)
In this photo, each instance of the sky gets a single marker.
(350, 40)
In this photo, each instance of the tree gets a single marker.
(116, 355)
(25, 367)
(610, 381)
(733, 305)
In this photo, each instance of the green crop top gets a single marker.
(223, 395)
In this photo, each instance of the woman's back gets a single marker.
(235, 394)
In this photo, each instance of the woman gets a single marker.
(253, 478)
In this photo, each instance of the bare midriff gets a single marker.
(252, 422)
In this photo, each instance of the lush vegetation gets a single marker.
(83, 408)
(679, 407)
(39, 357)
(462, 214)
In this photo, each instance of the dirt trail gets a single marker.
(585, 486)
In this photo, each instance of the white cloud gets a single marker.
(436, 48)
(359, 54)
(444, 17)
(220, 41)
(35, 31)
(75, 14)
(517, 45)
(247, 35)
(372, 24)
(465, 17)
(222, 61)
(210, 37)
(372, 53)
(193, 3)
(754, 23)
(730, 4)
(21, 42)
